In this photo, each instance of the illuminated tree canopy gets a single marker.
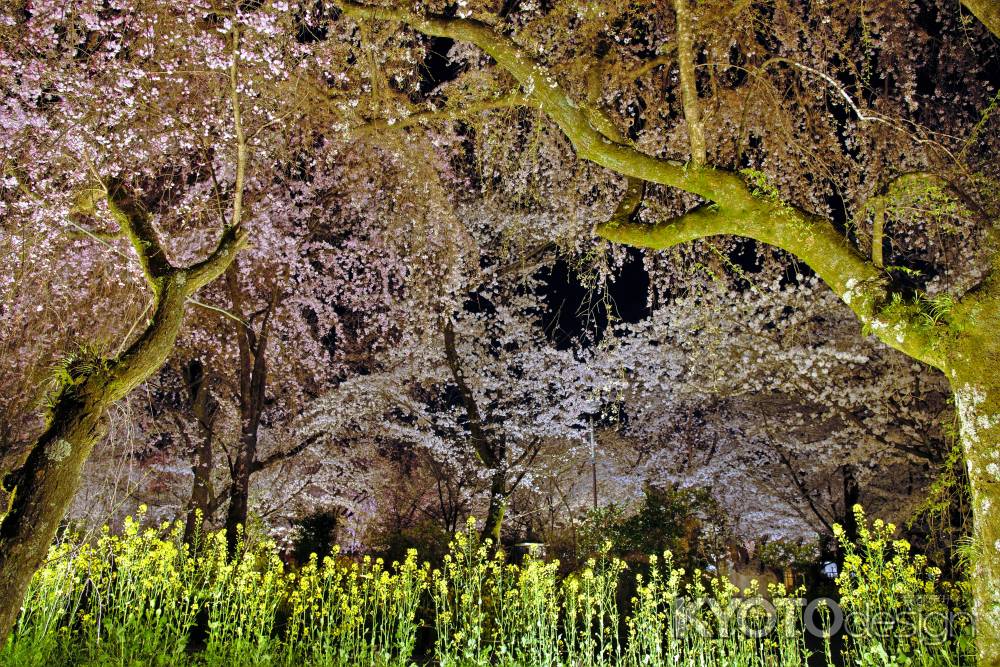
(294, 251)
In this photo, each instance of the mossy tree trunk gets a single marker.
(974, 372)
(977, 397)
(987, 11)
(44, 484)
(964, 344)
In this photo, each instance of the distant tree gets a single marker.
(482, 401)
(766, 393)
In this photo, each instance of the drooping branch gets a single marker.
(571, 117)
(737, 209)
(860, 284)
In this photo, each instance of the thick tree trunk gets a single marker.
(975, 380)
(45, 485)
(978, 402)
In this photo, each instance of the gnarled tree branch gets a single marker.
(447, 113)
(590, 143)
(737, 209)
(137, 225)
(862, 286)
(278, 457)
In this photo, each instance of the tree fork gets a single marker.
(76, 420)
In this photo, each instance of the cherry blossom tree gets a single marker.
(482, 399)
(89, 137)
(193, 110)
(322, 303)
(765, 392)
(745, 171)
(390, 160)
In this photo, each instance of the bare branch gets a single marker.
(509, 101)
(241, 141)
